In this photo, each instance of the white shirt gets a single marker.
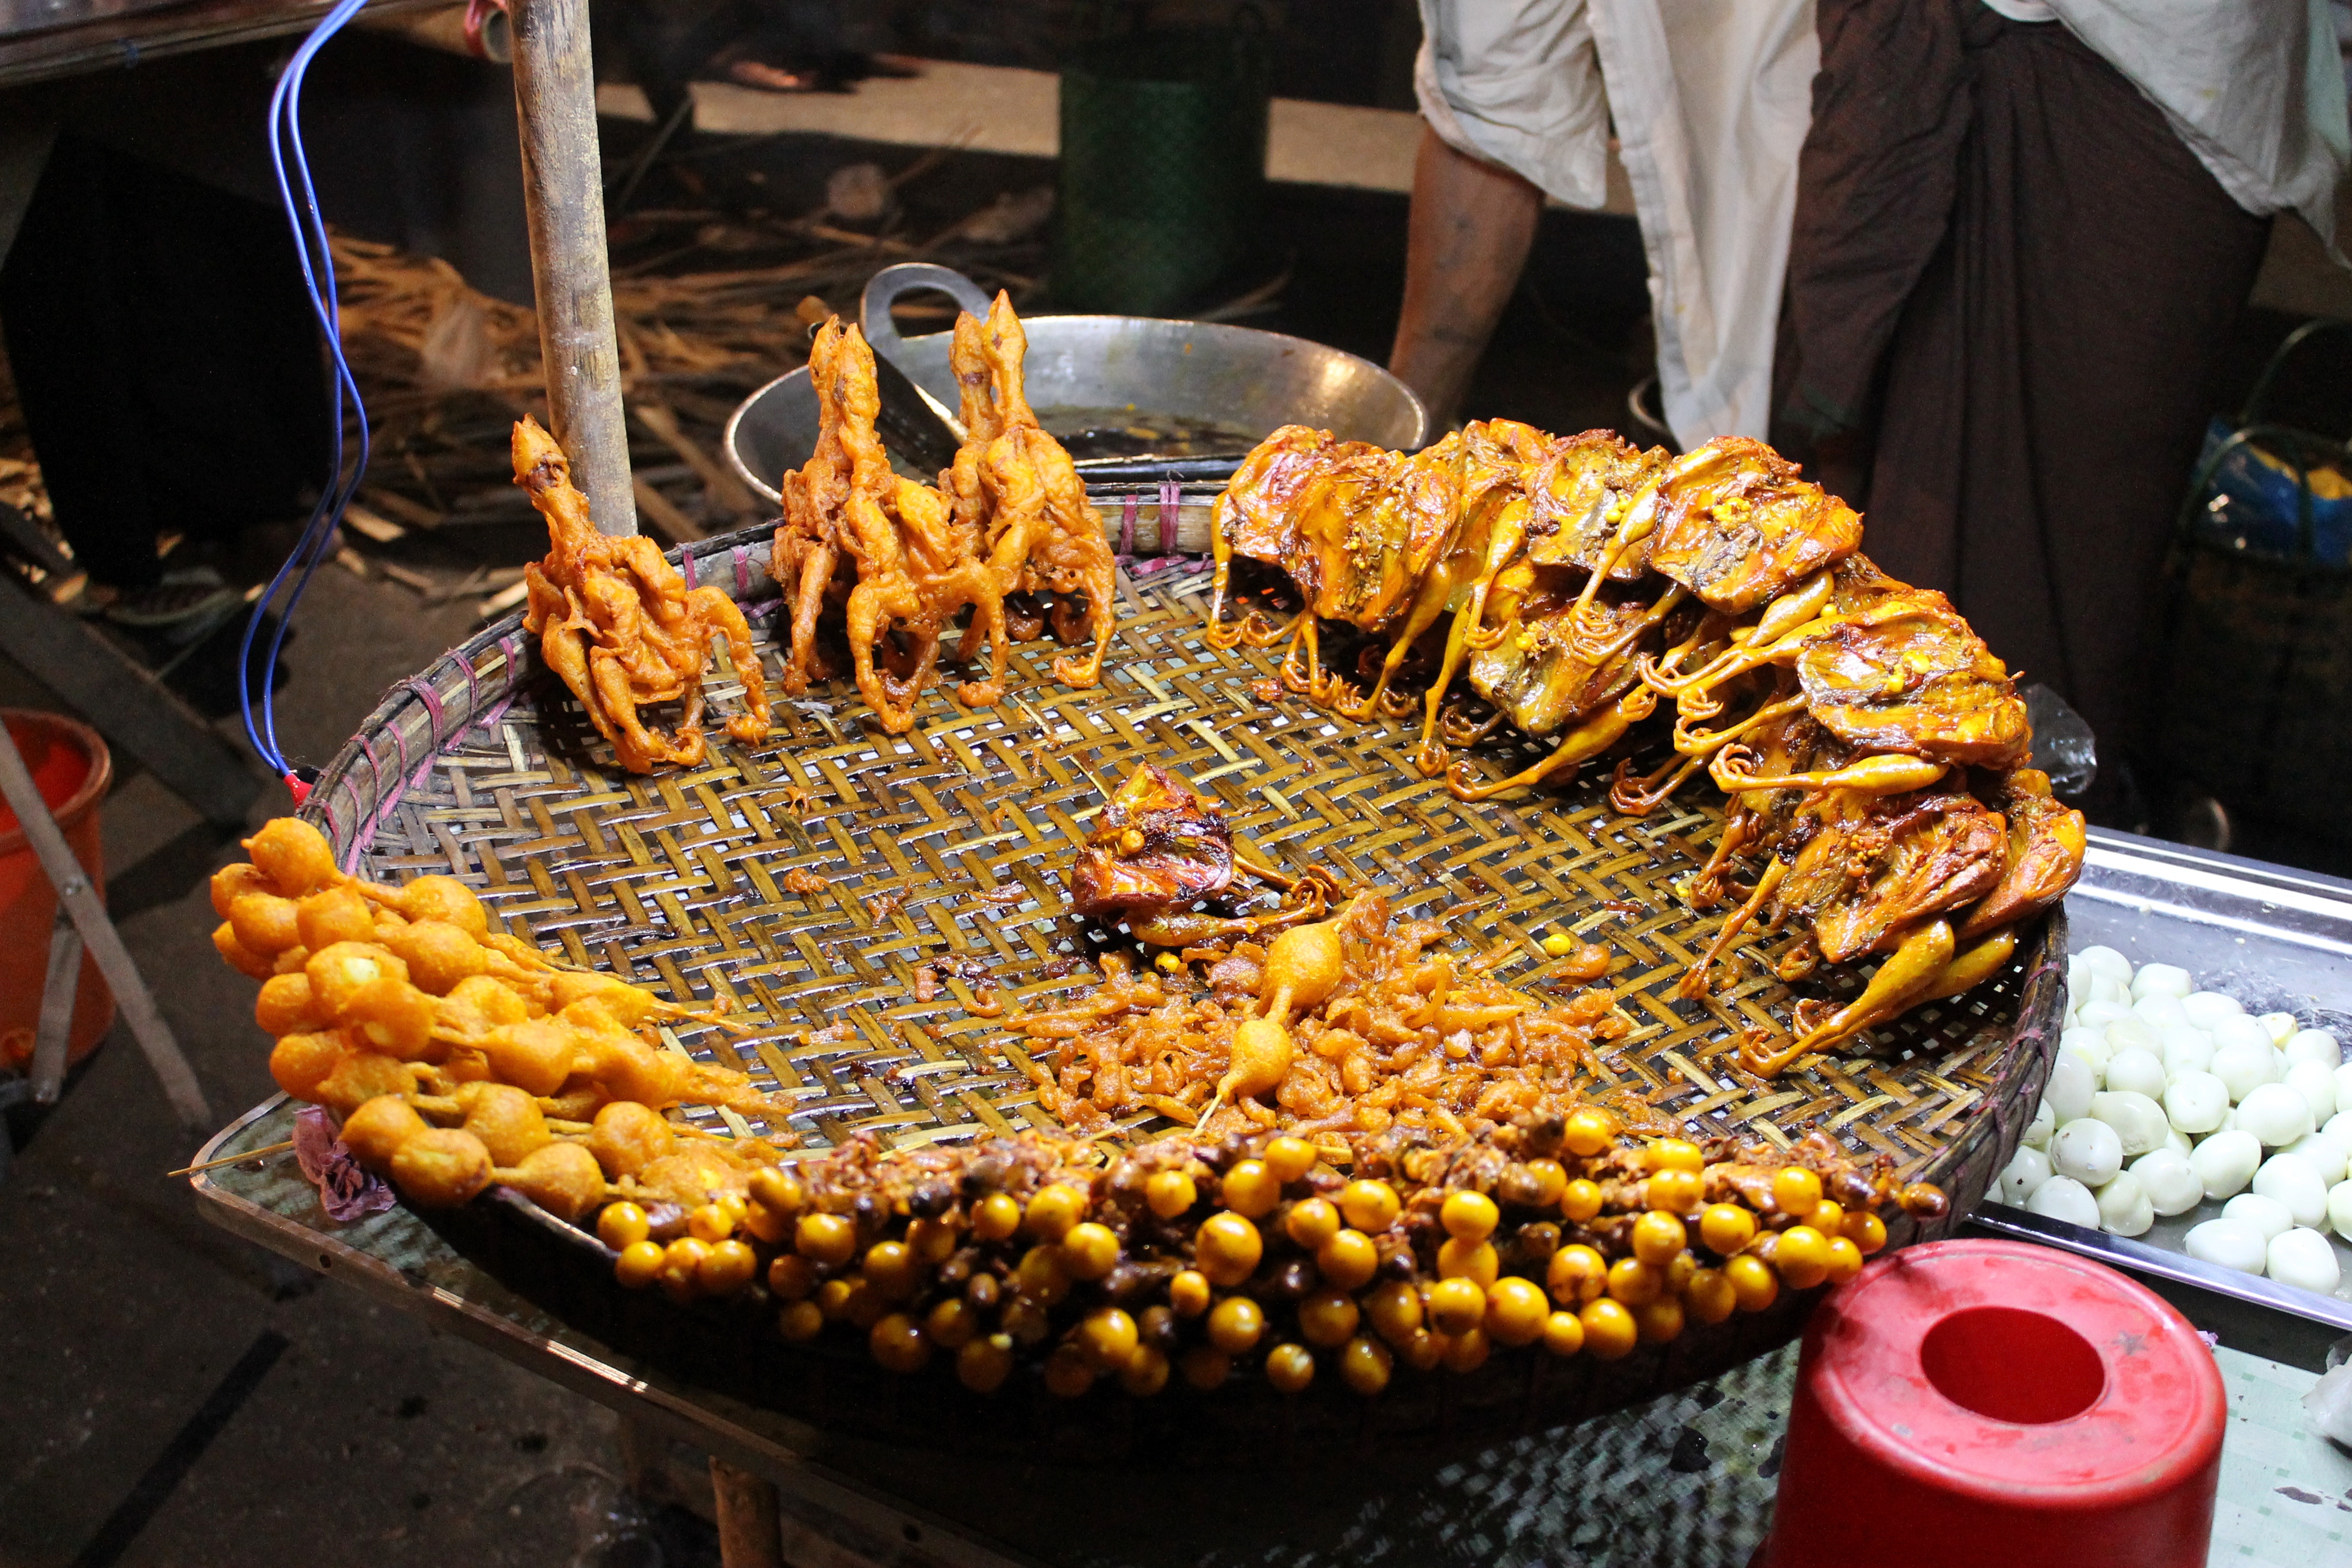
(1713, 100)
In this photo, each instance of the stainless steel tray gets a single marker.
(2277, 940)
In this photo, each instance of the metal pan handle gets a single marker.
(884, 286)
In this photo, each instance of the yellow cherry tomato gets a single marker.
(1725, 1228)
(1659, 1237)
(1796, 1191)
(1476, 1261)
(1845, 1260)
(1588, 1130)
(1456, 1306)
(1468, 1216)
(1866, 1231)
(1170, 1193)
(639, 1264)
(1348, 1260)
(1515, 1310)
(1801, 1257)
(1289, 1158)
(1579, 1200)
(1370, 1206)
(1366, 1366)
(1676, 1154)
(1312, 1223)
(1250, 1189)
(1709, 1297)
(1578, 1274)
(1610, 1332)
(1564, 1333)
(1753, 1282)
(1632, 1281)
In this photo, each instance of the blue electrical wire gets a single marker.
(318, 535)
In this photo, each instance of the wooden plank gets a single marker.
(564, 196)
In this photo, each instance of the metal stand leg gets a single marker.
(59, 992)
(80, 900)
(750, 1531)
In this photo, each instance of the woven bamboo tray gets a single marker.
(947, 845)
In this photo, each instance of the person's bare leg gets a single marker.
(1469, 234)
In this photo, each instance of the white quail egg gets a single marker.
(2323, 1154)
(2161, 1012)
(2282, 1026)
(2303, 1257)
(2136, 1070)
(2100, 958)
(2267, 1216)
(2137, 1120)
(2185, 1048)
(2088, 1150)
(2072, 1084)
(2316, 1084)
(2065, 1198)
(2339, 1209)
(2044, 1122)
(2226, 1162)
(2096, 1014)
(2339, 1127)
(2246, 1066)
(2167, 979)
(2091, 1046)
(2172, 1186)
(2206, 1009)
(2313, 1045)
(2292, 1181)
(2232, 1244)
(2275, 1113)
(2023, 1177)
(2124, 1206)
(2196, 1101)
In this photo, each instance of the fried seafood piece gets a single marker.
(1347, 1026)
(1157, 849)
(1014, 490)
(616, 622)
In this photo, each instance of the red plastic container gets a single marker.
(71, 767)
(1973, 1403)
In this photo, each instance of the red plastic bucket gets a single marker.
(69, 763)
(1988, 1402)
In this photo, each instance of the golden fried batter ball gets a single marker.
(294, 856)
(627, 1136)
(441, 1167)
(375, 1131)
(329, 916)
(285, 1006)
(447, 900)
(266, 923)
(562, 1178)
(505, 1120)
(439, 954)
(300, 1063)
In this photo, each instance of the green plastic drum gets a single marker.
(1163, 164)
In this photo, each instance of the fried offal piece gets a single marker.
(618, 623)
(1156, 842)
(1158, 850)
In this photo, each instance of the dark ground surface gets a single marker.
(179, 1397)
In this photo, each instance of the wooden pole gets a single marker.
(564, 194)
(751, 1531)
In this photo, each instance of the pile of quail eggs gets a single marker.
(2163, 1097)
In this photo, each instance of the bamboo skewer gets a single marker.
(230, 1160)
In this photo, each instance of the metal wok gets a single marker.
(1237, 376)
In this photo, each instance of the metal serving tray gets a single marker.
(2277, 940)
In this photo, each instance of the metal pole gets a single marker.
(564, 194)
